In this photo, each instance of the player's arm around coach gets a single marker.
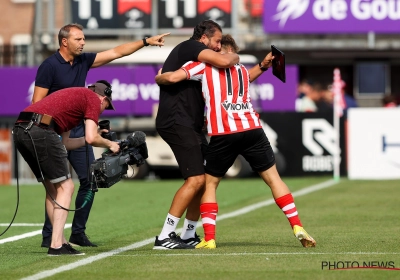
(169, 78)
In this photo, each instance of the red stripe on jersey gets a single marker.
(235, 84)
(224, 96)
(212, 117)
(246, 96)
(240, 91)
(235, 94)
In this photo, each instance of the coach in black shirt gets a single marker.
(179, 122)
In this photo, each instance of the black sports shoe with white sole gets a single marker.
(81, 239)
(193, 241)
(46, 242)
(171, 242)
(66, 249)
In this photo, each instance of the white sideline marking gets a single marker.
(21, 225)
(51, 272)
(271, 201)
(25, 235)
(255, 254)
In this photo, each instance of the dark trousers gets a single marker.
(77, 158)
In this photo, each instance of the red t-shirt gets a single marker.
(69, 107)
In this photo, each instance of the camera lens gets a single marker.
(105, 124)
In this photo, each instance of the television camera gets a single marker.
(111, 167)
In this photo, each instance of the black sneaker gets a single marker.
(81, 239)
(65, 249)
(192, 241)
(46, 242)
(172, 242)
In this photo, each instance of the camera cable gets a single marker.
(16, 208)
(88, 196)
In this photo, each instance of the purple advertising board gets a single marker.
(331, 16)
(18, 84)
(135, 92)
(269, 94)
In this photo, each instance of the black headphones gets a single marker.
(108, 91)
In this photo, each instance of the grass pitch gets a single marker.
(353, 222)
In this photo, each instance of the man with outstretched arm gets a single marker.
(68, 67)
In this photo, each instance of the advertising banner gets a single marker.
(188, 13)
(331, 16)
(18, 87)
(123, 14)
(306, 142)
(269, 94)
(135, 91)
(374, 143)
(137, 14)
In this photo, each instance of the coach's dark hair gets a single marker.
(64, 31)
(228, 41)
(206, 27)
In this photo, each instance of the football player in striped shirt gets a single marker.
(235, 129)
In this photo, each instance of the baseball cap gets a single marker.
(103, 90)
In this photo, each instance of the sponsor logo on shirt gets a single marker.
(236, 107)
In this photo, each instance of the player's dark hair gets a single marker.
(228, 41)
(206, 27)
(64, 31)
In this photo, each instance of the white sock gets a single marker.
(189, 229)
(169, 226)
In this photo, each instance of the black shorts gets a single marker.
(253, 145)
(50, 151)
(188, 147)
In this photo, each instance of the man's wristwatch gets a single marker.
(262, 68)
(145, 42)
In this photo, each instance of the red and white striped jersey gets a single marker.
(227, 97)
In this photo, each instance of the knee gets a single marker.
(198, 182)
(66, 187)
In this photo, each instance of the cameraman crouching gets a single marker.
(36, 136)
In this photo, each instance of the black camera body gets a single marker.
(110, 135)
(111, 168)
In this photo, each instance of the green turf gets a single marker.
(353, 221)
